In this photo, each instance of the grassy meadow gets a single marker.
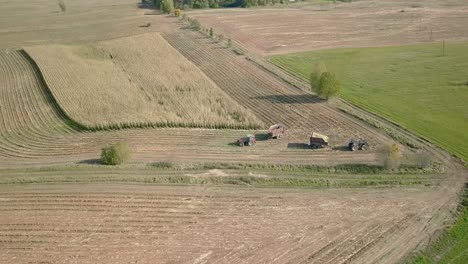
(416, 86)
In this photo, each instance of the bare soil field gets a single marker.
(305, 27)
(135, 80)
(108, 223)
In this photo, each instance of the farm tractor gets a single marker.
(355, 144)
(276, 131)
(248, 140)
(318, 141)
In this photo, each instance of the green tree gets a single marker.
(329, 85)
(115, 154)
(167, 6)
(391, 156)
(317, 71)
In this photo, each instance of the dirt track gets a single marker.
(305, 27)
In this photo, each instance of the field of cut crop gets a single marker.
(35, 132)
(109, 223)
(114, 83)
(414, 86)
(304, 27)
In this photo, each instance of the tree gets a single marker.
(177, 12)
(167, 6)
(115, 154)
(317, 71)
(62, 5)
(229, 43)
(329, 85)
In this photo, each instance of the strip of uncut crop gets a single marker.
(113, 84)
(268, 97)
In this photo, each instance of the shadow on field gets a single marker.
(341, 148)
(90, 161)
(291, 99)
(298, 145)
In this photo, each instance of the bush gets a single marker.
(167, 6)
(329, 85)
(229, 43)
(195, 24)
(391, 155)
(211, 32)
(62, 5)
(116, 154)
(177, 12)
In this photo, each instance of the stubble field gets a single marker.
(304, 27)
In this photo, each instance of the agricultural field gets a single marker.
(36, 22)
(311, 26)
(110, 223)
(415, 86)
(189, 193)
(103, 85)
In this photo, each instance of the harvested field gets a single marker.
(269, 98)
(127, 223)
(358, 24)
(135, 81)
(35, 132)
(39, 22)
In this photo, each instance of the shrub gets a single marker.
(184, 17)
(167, 6)
(177, 12)
(195, 24)
(329, 85)
(229, 43)
(211, 32)
(115, 154)
(62, 5)
(391, 155)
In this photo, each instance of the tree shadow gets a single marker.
(298, 145)
(291, 99)
(91, 162)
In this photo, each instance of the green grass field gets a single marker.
(414, 86)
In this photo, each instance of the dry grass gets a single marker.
(133, 81)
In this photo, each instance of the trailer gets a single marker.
(318, 141)
(276, 131)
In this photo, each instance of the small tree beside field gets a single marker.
(391, 155)
(323, 82)
(115, 154)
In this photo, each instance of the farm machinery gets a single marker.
(248, 140)
(355, 144)
(318, 141)
(276, 131)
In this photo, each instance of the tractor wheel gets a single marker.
(250, 143)
(241, 144)
(353, 147)
(364, 146)
(278, 136)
